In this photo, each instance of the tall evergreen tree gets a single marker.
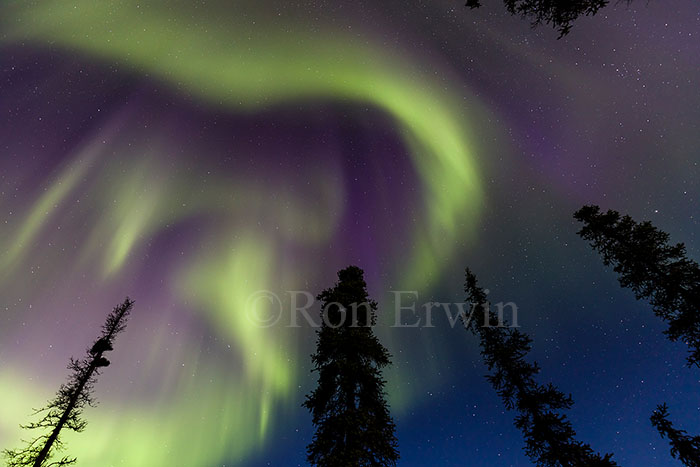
(348, 407)
(653, 268)
(559, 13)
(66, 409)
(550, 440)
(685, 448)
(662, 274)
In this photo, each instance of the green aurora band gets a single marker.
(241, 66)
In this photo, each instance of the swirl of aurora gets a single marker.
(191, 226)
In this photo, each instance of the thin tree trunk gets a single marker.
(43, 454)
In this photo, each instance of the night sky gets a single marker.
(192, 154)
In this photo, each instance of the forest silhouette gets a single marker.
(350, 414)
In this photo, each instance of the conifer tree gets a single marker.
(66, 409)
(353, 425)
(662, 274)
(653, 268)
(559, 13)
(685, 448)
(550, 440)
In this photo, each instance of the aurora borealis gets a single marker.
(191, 154)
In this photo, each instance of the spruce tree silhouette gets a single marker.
(348, 407)
(559, 13)
(550, 440)
(683, 447)
(654, 269)
(65, 410)
(662, 274)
